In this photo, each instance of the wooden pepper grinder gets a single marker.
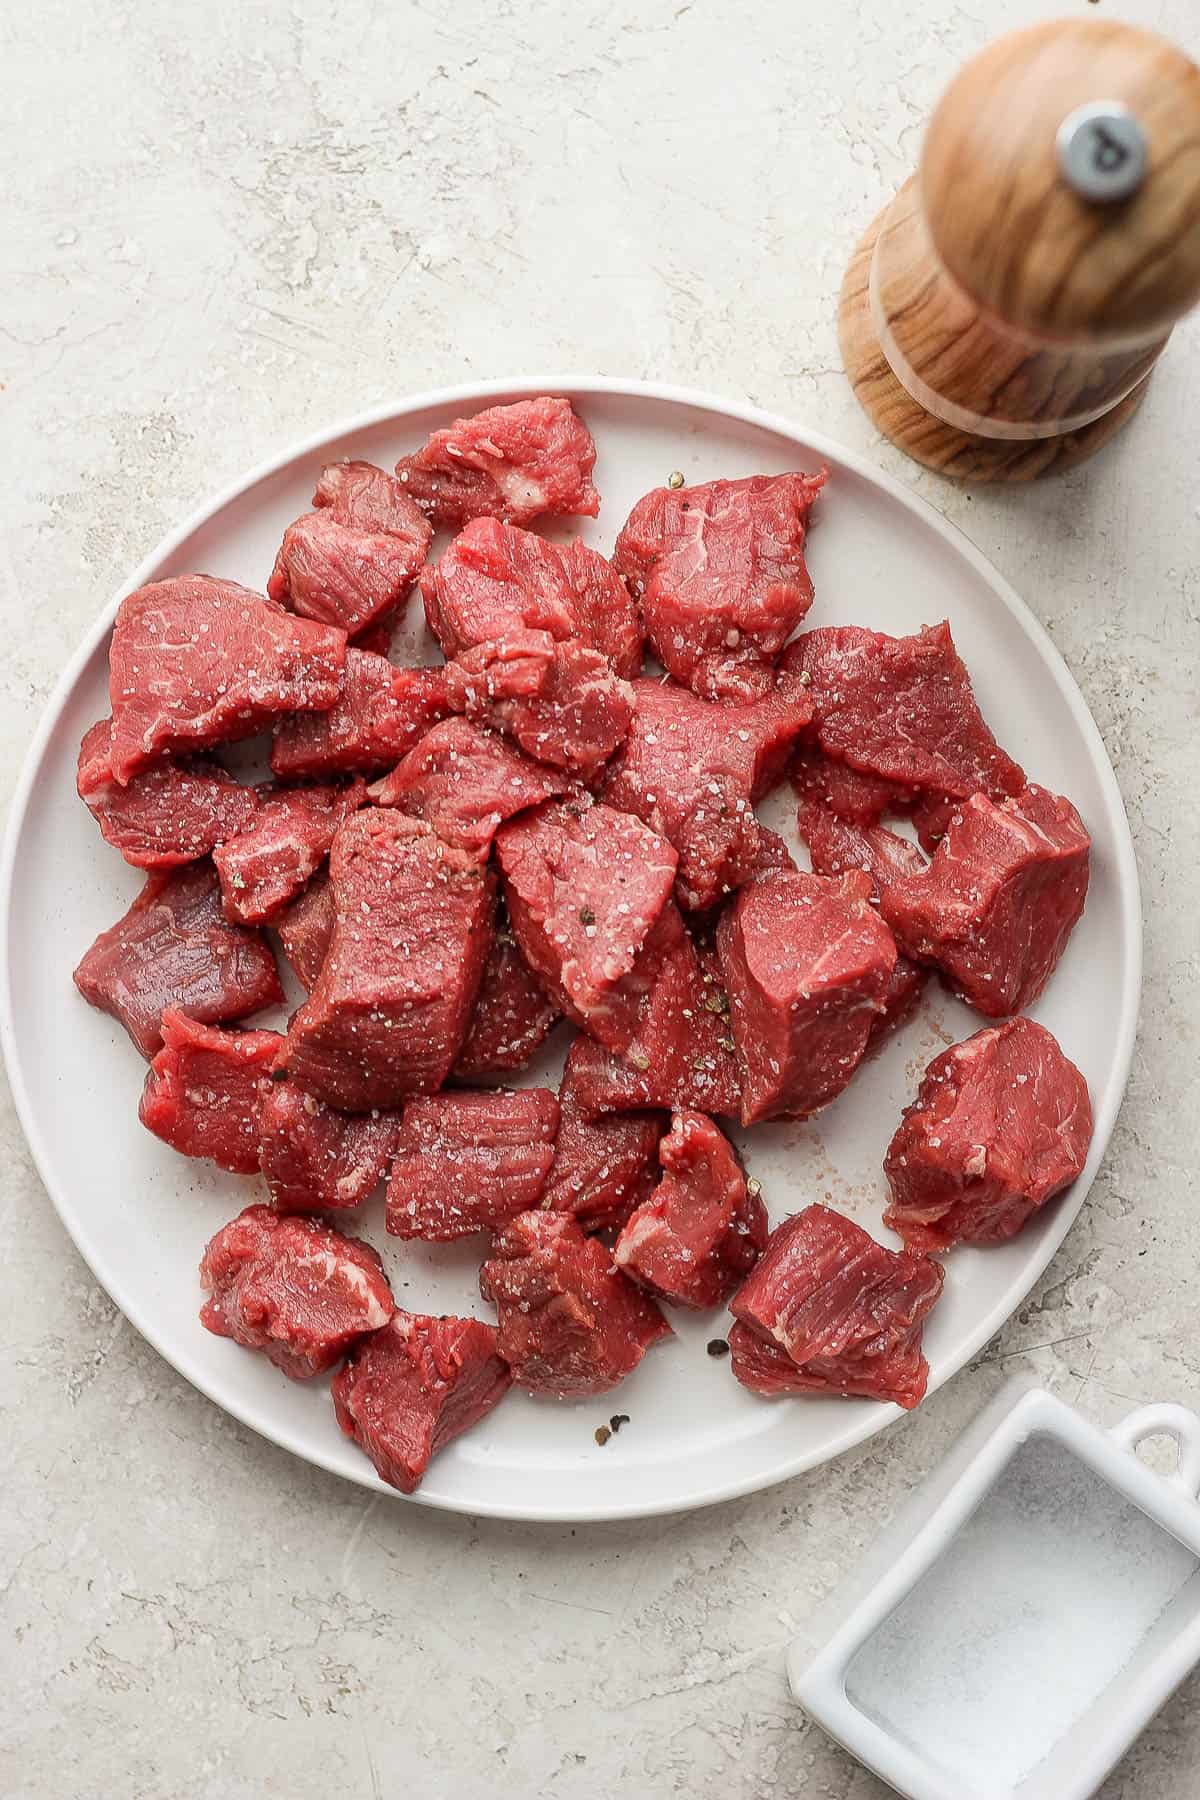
(1002, 317)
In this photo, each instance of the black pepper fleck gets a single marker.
(718, 1347)
(616, 1422)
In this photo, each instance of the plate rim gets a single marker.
(581, 387)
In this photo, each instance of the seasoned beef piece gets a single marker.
(837, 846)
(171, 814)
(379, 715)
(466, 782)
(703, 1231)
(511, 1018)
(584, 886)
(680, 1053)
(692, 770)
(203, 1089)
(413, 1386)
(570, 1324)
(195, 662)
(468, 1161)
(720, 572)
(806, 963)
(1000, 1124)
(828, 1310)
(268, 863)
(771, 853)
(494, 580)
(299, 1291)
(508, 462)
(849, 794)
(561, 702)
(999, 899)
(305, 928)
(354, 560)
(903, 709)
(316, 1159)
(412, 932)
(174, 948)
(603, 1166)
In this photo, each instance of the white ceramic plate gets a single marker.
(141, 1215)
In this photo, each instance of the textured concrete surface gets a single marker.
(222, 226)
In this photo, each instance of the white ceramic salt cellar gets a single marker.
(1026, 1615)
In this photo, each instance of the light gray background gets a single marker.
(221, 227)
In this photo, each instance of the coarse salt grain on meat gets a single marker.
(412, 931)
(196, 662)
(466, 782)
(806, 962)
(584, 885)
(570, 1323)
(510, 462)
(702, 1231)
(1001, 1123)
(413, 1386)
(202, 1091)
(354, 560)
(692, 770)
(468, 1161)
(828, 1310)
(720, 573)
(268, 863)
(171, 814)
(379, 714)
(175, 948)
(298, 1291)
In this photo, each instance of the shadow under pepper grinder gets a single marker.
(1002, 317)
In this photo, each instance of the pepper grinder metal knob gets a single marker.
(1002, 317)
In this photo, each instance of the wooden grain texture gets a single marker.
(962, 455)
(1014, 234)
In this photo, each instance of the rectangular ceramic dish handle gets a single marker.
(1176, 1422)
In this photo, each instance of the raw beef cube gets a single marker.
(466, 782)
(843, 1311)
(305, 928)
(603, 1167)
(412, 932)
(1000, 1124)
(561, 702)
(680, 1052)
(508, 462)
(999, 899)
(195, 662)
(902, 709)
(511, 1019)
(692, 770)
(413, 1386)
(299, 1291)
(379, 715)
(720, 572)
(268, 863)
(584, 886)
(570, 1323)
(837, 846)
(837, 788)
(315, 1159)
(806, 962)
(171, 814)
(354, 560)
(703, 1231)
(203, 1089)
(469, 1161)
(175, 948)
(495, 580)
